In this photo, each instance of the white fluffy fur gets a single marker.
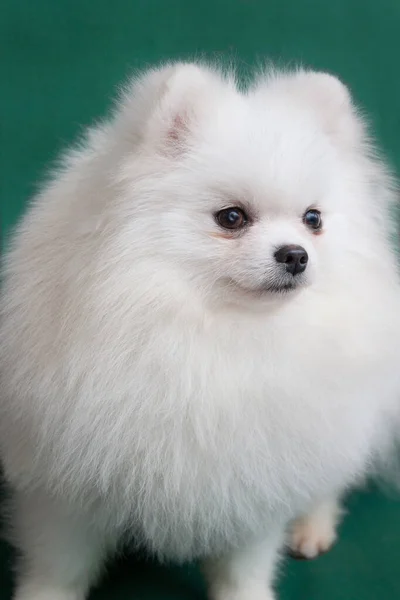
(149, 389)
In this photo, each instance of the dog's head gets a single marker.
(246, 194)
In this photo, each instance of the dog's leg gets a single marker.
(245, 574)
(315, 533)
(59, 556)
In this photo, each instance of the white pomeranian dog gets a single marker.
(200, 333)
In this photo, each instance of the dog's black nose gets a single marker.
(295, 258)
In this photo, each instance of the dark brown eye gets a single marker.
(231, 218)
(312, 218)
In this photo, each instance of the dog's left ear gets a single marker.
(328, 98)
(332, 100)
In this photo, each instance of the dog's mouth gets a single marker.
(274, 288)
(279, 288)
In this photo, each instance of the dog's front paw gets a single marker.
(313, 535)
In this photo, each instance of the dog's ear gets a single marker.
(332, 100)
(165, 107)
(328, 98)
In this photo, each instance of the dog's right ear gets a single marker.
(164, 108)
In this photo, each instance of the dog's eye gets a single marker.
(231, 218)
(312, 218)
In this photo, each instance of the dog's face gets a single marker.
(253, 200)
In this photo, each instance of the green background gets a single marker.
(61, 61)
